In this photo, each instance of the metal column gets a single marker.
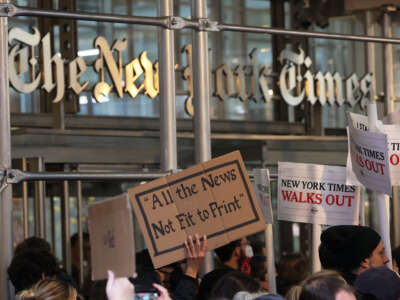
(5, 162)
(201, 97)
(65, 217)
(370, 63)
(166, 54)
(389, 108)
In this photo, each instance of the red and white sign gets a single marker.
(369, 158)
(316, 194)
(393, 133)
(262, 189)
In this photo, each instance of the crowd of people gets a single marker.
(352, 257)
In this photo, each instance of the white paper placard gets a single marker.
(316, 194)
(393, 133)
(393, 118)
(262, 189)
(369, 158)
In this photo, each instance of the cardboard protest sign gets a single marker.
(316, 194)
(262, 189)
(112, 238)
(369, 158)
(214, 198)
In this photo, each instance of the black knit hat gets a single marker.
(344, 247)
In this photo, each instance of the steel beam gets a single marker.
(178, 23)
(201, 99)
(5, 163)
(166, 55)
(16, 176)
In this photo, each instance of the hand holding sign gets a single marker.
(196, 252)
(119, 288)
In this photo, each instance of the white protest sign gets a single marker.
(393, 118)
(369, 158)
(262, 189)
(393, 132)
(316, 194)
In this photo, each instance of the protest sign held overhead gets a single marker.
(392, 118)
(214, 198)
(316, 194)
(262, 189)
(112, 238)
(393, 133)
(369, 158)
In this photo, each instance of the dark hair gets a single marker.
(225, 252)
(98, 290)
(258, 248)
(292, 269)
(75, 238)
(396, 255)
(324, 286)
(27, 268)
(257, 267)
(234, 282)
(33, 243)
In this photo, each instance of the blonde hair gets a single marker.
(49, 289)
(293, 293)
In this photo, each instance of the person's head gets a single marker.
(33, 243)
(381, 282)
(256, 296)
(230, 252)
(258, 248)
(28, 267)
(75, 248)
(326, 285)
(292, 269)
(396, 258)
(258, 270)
(351, 249)
(232, 283)
(48, 289)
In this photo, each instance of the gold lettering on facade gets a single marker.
(187, 75)
(133, 71)
(150, 88)
(319, 87)
(76, 68)
(246, 81)
(50, 81)
(224, 83)
(106, 60)
(18, 59)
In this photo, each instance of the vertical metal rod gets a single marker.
(269, 248)
(201, 97)
(5, 163)
(389, 108)
(66, 242)
(80, 230)
(25, 200)
(166, 54)
(388, 63)
(381, 199)
(370, 47)
(316, 235)
(53, 224)
(39, 200)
